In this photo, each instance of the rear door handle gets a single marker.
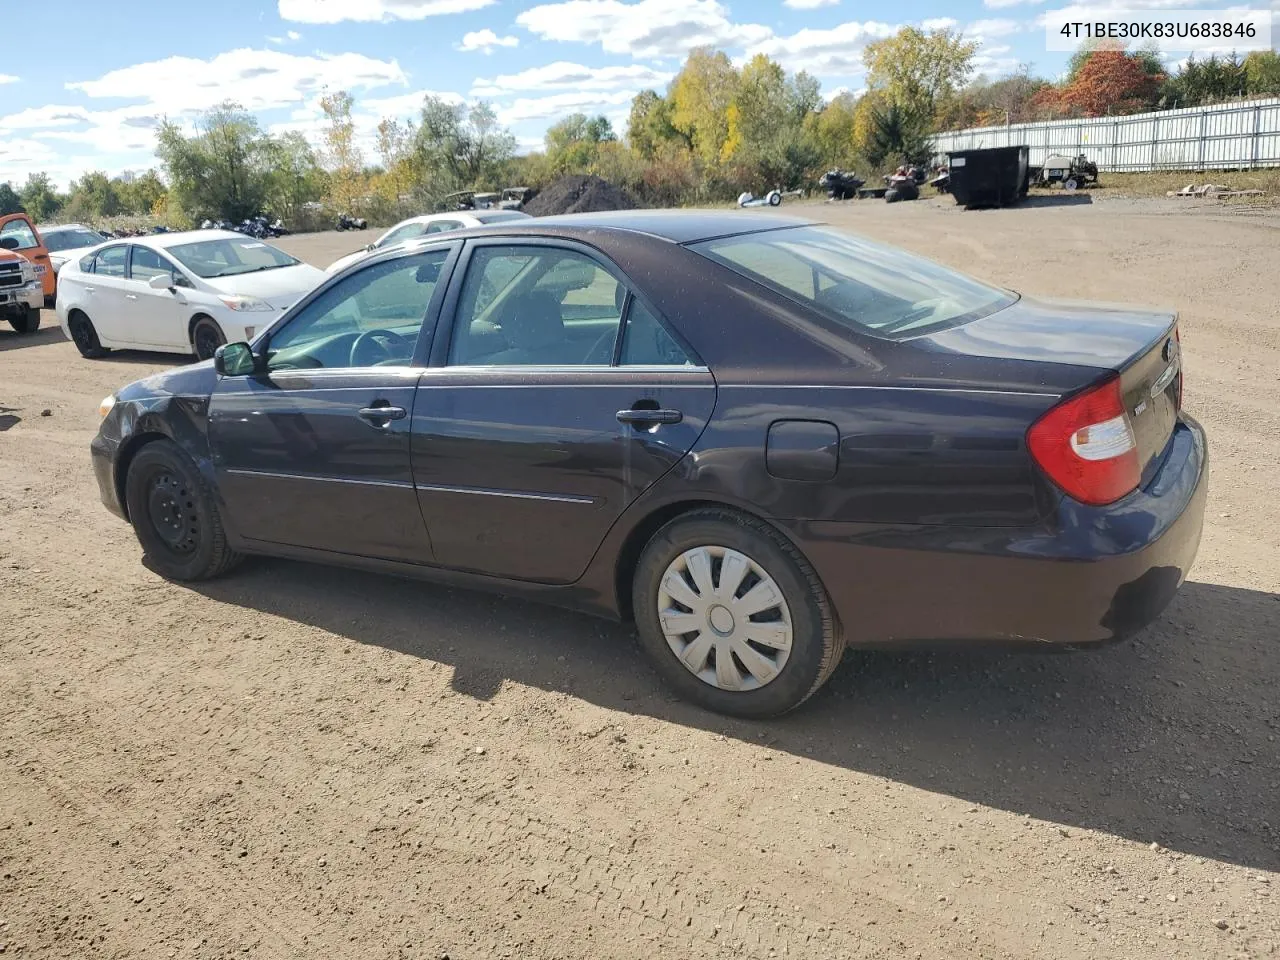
(90, 289)
(381, 416)
(649, 418)
(131, 296)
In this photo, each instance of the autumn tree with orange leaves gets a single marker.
(1109, 82)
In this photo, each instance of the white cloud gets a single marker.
(1001, 4)
(256, 79)
(337, 11)
(485, 40)
(563, 75)
(940, 23)
(808, 4)
(645, 29)
(7, 78)
(833, 52)
(405, 105)
(558, 105)
(1003, 27)
(291, 36)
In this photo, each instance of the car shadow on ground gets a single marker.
(1170, 737)
(150, 358)
(10, 340)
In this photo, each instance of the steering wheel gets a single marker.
(383, 341)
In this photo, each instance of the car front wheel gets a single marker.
(27, 321)
(733, 615)
(206, 338)
(175, 516)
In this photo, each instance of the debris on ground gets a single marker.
(579, 193)
(1213, 191)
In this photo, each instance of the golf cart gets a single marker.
(513, 198)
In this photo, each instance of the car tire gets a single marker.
(85, 337)
(26, 322)
(697, 548)
(206, 338)
(175, 516)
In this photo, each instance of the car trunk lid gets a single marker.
(1064, 346)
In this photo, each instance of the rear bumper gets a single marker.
(1092, 575)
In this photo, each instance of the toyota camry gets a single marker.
(760, 438)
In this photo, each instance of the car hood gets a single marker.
(281, 287)
(194, 380)
(59, 257)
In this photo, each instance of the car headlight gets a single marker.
(246, 304)
(27, 270)
(105, 406)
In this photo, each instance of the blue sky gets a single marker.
(92, 99)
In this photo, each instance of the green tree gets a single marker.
(919, 70)
(649, 125)
(574, 142)
(1262, 73)
(39, 197)
(141, 193)
(219, 172)
(460, 147)
(9, 202)
(831, 130)
(897, 137)
(293, 174)
(766, 136)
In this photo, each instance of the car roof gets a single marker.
(162, 241)
(678, 226)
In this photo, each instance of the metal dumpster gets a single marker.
(994, 177)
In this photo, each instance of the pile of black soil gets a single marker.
(578, 194)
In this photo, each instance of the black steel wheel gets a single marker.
(85, 337)
(206, 338)
(175, 515)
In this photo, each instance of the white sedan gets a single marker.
(177, 292)
(428, 223)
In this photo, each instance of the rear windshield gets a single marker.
(71, 238)
(859, 284)
(226, 257)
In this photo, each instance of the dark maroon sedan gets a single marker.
(761, 438)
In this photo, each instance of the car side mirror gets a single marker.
(161, 281)
(371, 247)
(9, 243)
(235, 360)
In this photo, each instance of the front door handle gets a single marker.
(381, 416)
(649, 418)
(90, 289)
(131, 296)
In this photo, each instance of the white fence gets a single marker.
(1220, 137)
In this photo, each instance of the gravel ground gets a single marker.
(303, 762)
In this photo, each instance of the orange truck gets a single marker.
(18, 234)
(25, 278)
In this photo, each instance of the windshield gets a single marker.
(230, 256)
(859, 284)
(72, 238)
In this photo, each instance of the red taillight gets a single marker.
(1086, 445)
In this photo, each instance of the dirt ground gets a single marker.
(304, 762)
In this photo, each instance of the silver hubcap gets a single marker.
(725, 618)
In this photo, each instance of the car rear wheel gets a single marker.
(28, 321)
(85, 337)
(733, 616)
(175, 516)
(206, 338)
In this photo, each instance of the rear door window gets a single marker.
(111, 261)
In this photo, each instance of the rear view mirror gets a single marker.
(235, 360)
(161, 281)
